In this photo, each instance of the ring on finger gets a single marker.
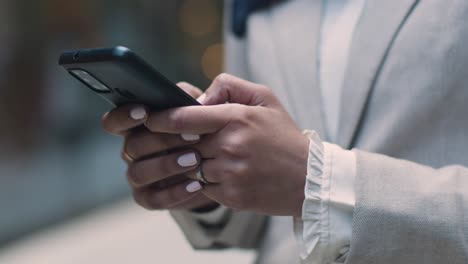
(200, 176)
(127, 156)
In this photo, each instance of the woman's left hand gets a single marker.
(255, 155)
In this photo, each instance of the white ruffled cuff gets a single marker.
(324, 231)
(313, 226)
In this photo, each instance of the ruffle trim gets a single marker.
(314, 225)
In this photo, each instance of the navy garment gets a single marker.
(241, 12)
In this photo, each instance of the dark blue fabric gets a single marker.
(241, 12)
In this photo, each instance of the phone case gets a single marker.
(127, 77)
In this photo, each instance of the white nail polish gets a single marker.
(202, 98)
(187, 160)
(138, 113)
(190, 137)
(193, 187)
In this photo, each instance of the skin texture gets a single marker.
(254, 154)
(157, 182)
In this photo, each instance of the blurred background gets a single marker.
(63, 193)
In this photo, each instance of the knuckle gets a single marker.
(223, 79)
(243, 115)
(246, 114)
(131, 148)
(133, 176)
(140, 197)
(140, 143)
(153, 203)
(229, 149)
(176, 120)
(268, 94)
(124, 156)
(241, 169)
(233, 146)
(264, 89)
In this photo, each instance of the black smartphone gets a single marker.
(121, 77)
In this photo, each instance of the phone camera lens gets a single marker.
(93, 83)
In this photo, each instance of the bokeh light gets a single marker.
(212, 60)
(199, 17)
(53, 146)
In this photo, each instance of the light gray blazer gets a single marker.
(404, 112)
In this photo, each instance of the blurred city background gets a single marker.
(62, 185)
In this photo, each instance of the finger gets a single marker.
(124, 118)
(198, 201)
(227, 88)
(168, 182)
(167, 198)
(149, 171)
(196, 120)
(193, 91)
(210, 147)
(220, 194)
(215, 171)
(141, 143)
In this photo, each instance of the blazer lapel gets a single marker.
(295, 29)
(377, 29)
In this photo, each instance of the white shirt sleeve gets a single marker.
(324, 231)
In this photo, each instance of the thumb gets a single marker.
(230, 89)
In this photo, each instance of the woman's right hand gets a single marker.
(159, 165)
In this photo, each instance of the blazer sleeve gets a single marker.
(409, 213)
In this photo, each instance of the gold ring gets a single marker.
(200, 177)
(127, 157)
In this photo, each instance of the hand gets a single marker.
(257, 156)
(158, 181)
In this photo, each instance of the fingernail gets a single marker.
(193, 187)
(202, 98)
(138, 113)
(187, 160)
(190, 137)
